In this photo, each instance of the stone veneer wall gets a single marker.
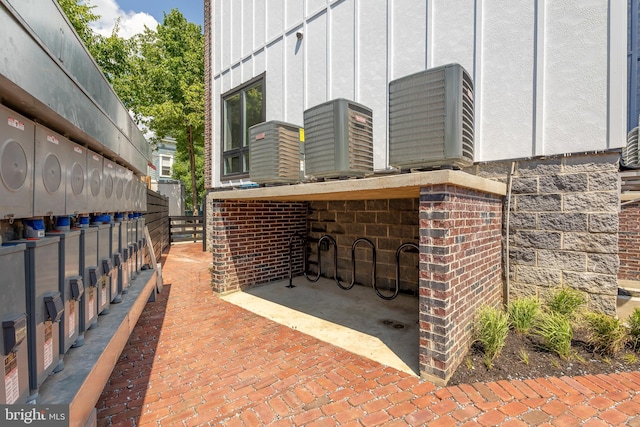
(250, 241)
(386, 223)
(460, 270)
(563, 225)
(629, 242)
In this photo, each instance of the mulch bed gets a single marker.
(541, 363)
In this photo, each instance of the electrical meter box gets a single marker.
(109, 177)
(71, 288)
(44, 309)
(116, 262)
(13, 316)
(105, 267)
(90, 278)
(50, 179)
(95, 196)
(76, 191)
(16, 165)
(128, 191)
(123, 279)
(119, 183)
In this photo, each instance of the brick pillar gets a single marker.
(250, 241)
(629, 242)
(460, 270)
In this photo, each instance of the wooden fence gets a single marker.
(186, 228)
(157, 221)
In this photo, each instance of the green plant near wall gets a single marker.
(522, 314)
(556, 332)
(634, 328)
(606, 334)
(491, 332)
(565, 301)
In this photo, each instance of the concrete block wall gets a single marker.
(386, 223)
(563, 225)
(629, 242)
(250, 241)
(460, 270)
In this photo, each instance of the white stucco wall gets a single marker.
(550, 75)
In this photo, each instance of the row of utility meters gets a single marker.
(54, 290)
(42, 173)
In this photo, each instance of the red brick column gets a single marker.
(250, 242)
(629, 242)
(460, 270)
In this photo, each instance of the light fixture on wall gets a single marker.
(299, 35)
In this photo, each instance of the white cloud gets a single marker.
(131, 22)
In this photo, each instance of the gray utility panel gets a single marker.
(16, 165)
(431, 119)
(76, 193)
(95, 200)
(338, 139)
(13, 315)
(105, 267)
(91, 278)
(119, 200)
(116, 262)
(71, 288)
(128, 191)
(108, 185)
(52, 154)
(44, 309)
(276, 154)
(141, 241)
(123, 279)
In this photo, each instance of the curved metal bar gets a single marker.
(400, 249)
(353, 263)
(304, 257)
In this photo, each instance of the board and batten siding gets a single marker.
(550, 75)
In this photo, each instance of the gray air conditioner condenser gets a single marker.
(431, 119)
(275, 153)
(338, 140)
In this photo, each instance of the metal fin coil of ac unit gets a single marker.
(431, 119)
(275, 153)
(338, 139)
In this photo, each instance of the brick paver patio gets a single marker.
(196, 360)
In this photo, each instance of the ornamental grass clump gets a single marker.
(634, 328)
(522, 314)
(491, 332)
(606, 334)
(556, 332)
(565, 301)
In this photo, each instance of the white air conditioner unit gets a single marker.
(431, 119)
(629, 157)
(275, 153)
(338, 140)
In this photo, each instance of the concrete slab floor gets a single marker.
(356, 320)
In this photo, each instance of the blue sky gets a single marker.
(134, 15)
(193, 10)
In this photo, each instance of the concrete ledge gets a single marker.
(401, 186)
(87, 368)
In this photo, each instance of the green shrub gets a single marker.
(522, 314)
(556, 332)
(634, 328)
(565, 301)
(491, 332)
(606, 334)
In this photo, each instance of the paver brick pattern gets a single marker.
(196, 360)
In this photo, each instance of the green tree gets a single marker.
(112, 54)
(164, 87)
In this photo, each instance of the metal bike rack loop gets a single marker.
(400, 249)
(357, 242)
(353, 263)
